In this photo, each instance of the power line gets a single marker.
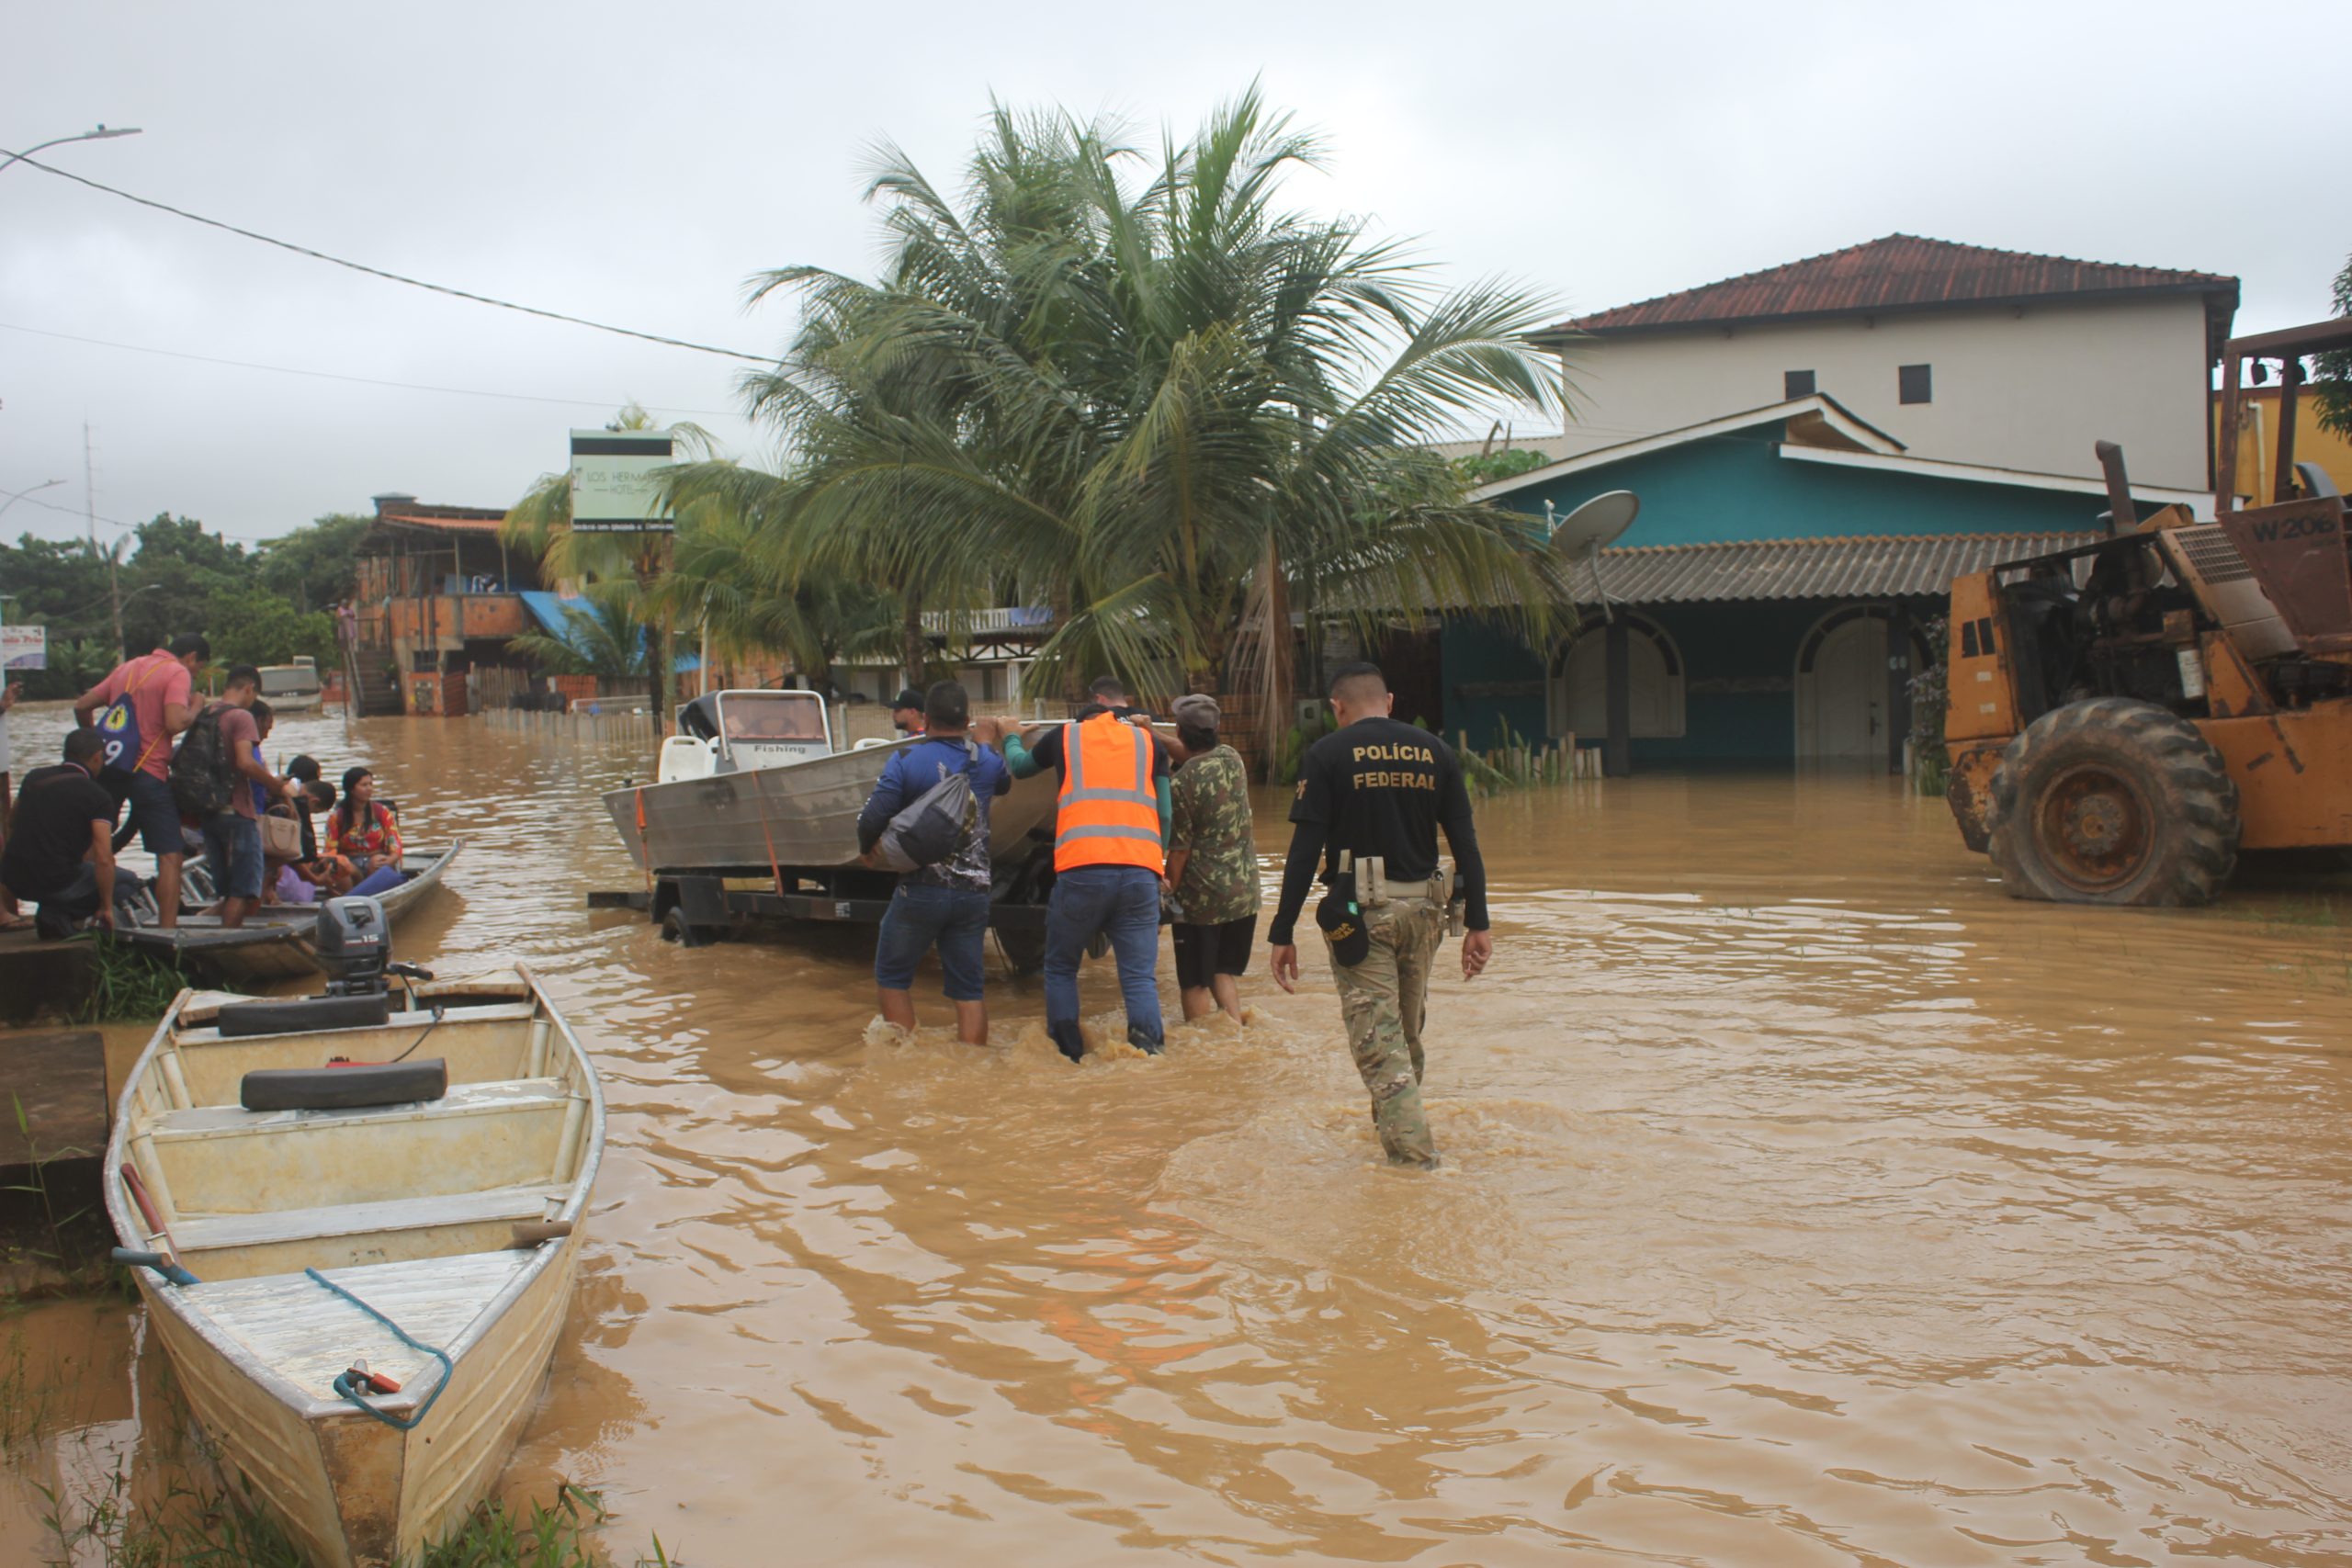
(397, 278)
(333, 376)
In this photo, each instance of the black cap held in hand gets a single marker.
(1343, 927)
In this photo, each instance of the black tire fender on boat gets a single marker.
(344, 1088)
(302, 1015)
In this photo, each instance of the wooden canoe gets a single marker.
(275, 942)
(413, 1209)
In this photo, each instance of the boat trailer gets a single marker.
(694, 908)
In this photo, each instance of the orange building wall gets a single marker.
(2259, 442)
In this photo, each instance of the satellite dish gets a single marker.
(1579, 534)
(1578, 538)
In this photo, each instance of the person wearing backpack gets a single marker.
(137, 709)
(944, 903)
(220, 752)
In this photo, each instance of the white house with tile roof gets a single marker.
(1964, 354)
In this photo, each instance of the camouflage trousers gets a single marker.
(1383, 999)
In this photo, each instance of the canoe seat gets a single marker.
(206, 1233)
(473, 1099)
(307, 1335)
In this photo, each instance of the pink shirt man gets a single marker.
(153, 681)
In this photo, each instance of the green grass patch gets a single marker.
(220, 1526)
(128, 986)
(177, 1511)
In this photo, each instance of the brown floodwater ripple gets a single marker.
(1806, 1200)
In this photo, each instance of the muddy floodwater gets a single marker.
(1806, 1201)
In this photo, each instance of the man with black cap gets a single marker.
(1212, 864)
(1379, 789)
(906, 712)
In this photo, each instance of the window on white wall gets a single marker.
(1915, 383)
(1795, 384)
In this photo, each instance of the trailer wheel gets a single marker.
(2113, 801)
(1023, 950)
(676, 928)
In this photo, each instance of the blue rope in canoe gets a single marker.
(346, 1383)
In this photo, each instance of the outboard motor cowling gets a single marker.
(354, 943)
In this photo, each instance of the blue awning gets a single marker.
(560, 617)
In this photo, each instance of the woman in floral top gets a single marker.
(363, 831)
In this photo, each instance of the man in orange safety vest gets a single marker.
(1110, 827)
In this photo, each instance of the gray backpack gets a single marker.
(934, 826)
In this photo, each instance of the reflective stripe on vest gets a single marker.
(1107, 813)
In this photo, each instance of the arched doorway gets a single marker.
(1844, 685)
(1577, 694)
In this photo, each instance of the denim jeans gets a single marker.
(1121, 902)
(233, 855)
(78, 900)
(923, 915)
(153, 813)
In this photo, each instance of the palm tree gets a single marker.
(726, 580)
(1172, 404)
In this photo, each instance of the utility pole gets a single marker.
(90, 514)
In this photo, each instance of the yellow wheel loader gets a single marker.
(2127, 717)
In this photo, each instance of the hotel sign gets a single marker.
(615, 487)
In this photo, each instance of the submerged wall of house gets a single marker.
(1737, 663)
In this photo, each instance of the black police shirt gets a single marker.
(1383, 787)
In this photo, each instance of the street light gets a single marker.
(15, 496)
(103, 133)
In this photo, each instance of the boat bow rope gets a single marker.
(348, 1383)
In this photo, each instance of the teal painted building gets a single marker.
(1764, 607)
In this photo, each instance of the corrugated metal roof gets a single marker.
(1899, 272)
(1867, 565)
(449, 519)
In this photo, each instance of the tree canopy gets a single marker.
(1152, 396)
(261, 607)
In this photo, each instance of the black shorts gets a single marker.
(1204, 951)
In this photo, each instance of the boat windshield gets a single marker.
(773, 716)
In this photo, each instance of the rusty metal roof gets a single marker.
(446, 519)
(1869, 566)
(1901, 272)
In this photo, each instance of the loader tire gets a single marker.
(2113, 801)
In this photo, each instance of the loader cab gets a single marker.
(725, 732)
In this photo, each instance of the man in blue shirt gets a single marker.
(944, 906)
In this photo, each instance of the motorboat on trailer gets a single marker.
(754, 786)
(355, 1221)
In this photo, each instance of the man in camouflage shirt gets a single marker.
(1212, 864)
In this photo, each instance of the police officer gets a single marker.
(1382, 788)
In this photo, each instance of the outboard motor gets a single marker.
(354, 943)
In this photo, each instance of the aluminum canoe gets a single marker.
(274, 942)
(413, 1209)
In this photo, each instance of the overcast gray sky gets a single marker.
(635, 164)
